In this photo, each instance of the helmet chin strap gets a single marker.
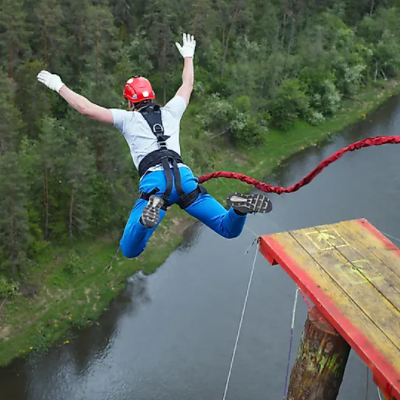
(132, 106)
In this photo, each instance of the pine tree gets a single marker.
(32, 98)
(125, 17)
(10, 121)
(14, 229)
(49, 19)
(162, 18)
(48, 154)
(13, 32)
(80, 171)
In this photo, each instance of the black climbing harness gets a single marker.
(165, 157)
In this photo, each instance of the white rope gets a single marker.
(392, 237)
(379, 393)
(290, 343)
(250, 246)
(294, 307)
(110, 265)
(240, 324)
(251, 231)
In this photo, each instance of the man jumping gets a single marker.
(152, 134)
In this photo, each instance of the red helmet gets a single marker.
(138, 89)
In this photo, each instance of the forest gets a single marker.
(259, 65)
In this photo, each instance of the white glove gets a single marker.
(52, 81)
(189, 44)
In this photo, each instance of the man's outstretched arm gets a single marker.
(187, 52)
(75, 100)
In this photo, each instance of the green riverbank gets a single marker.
(75, 287)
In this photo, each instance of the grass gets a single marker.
(77, 286)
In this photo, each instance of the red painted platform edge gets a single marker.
(384, 373)
(379, 235)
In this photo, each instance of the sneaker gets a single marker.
(249, 203)
(151, 213)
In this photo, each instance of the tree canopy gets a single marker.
(258, 64)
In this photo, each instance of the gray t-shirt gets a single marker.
(140, 138)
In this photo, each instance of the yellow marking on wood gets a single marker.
(356, 272)
(326, 239)
(389, 257)
(375, 270)
(357, 286)
(340, 297)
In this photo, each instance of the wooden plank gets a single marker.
(366, 260)
(377, 351)
(389, 248)
(380, 245)
(357, 287)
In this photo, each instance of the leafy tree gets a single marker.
(320, 88)
(382, 34)
(290, 103)
(257, 63)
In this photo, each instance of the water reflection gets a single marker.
(190, 237)
(94, 341)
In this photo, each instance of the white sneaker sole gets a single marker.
(151, 213)
(249, 203)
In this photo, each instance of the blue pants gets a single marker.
(206, 209)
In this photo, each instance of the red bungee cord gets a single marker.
(376, 141)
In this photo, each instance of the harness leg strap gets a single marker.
(169, 177)
(178, 179)
(146, 196)
(188, 199)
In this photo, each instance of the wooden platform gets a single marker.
(352, 274)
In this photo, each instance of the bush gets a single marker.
(349, 77)
(244, 126)
(290, 104)
(220, 117)
(8, 289)
(315, 118)
(74, 264)
(216, 115)
(248, 129)
(242, 104)
(327, 101)
(320, 86)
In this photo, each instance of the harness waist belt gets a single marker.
(185, 201)
(156, 158)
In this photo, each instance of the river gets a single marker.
(170, 335)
